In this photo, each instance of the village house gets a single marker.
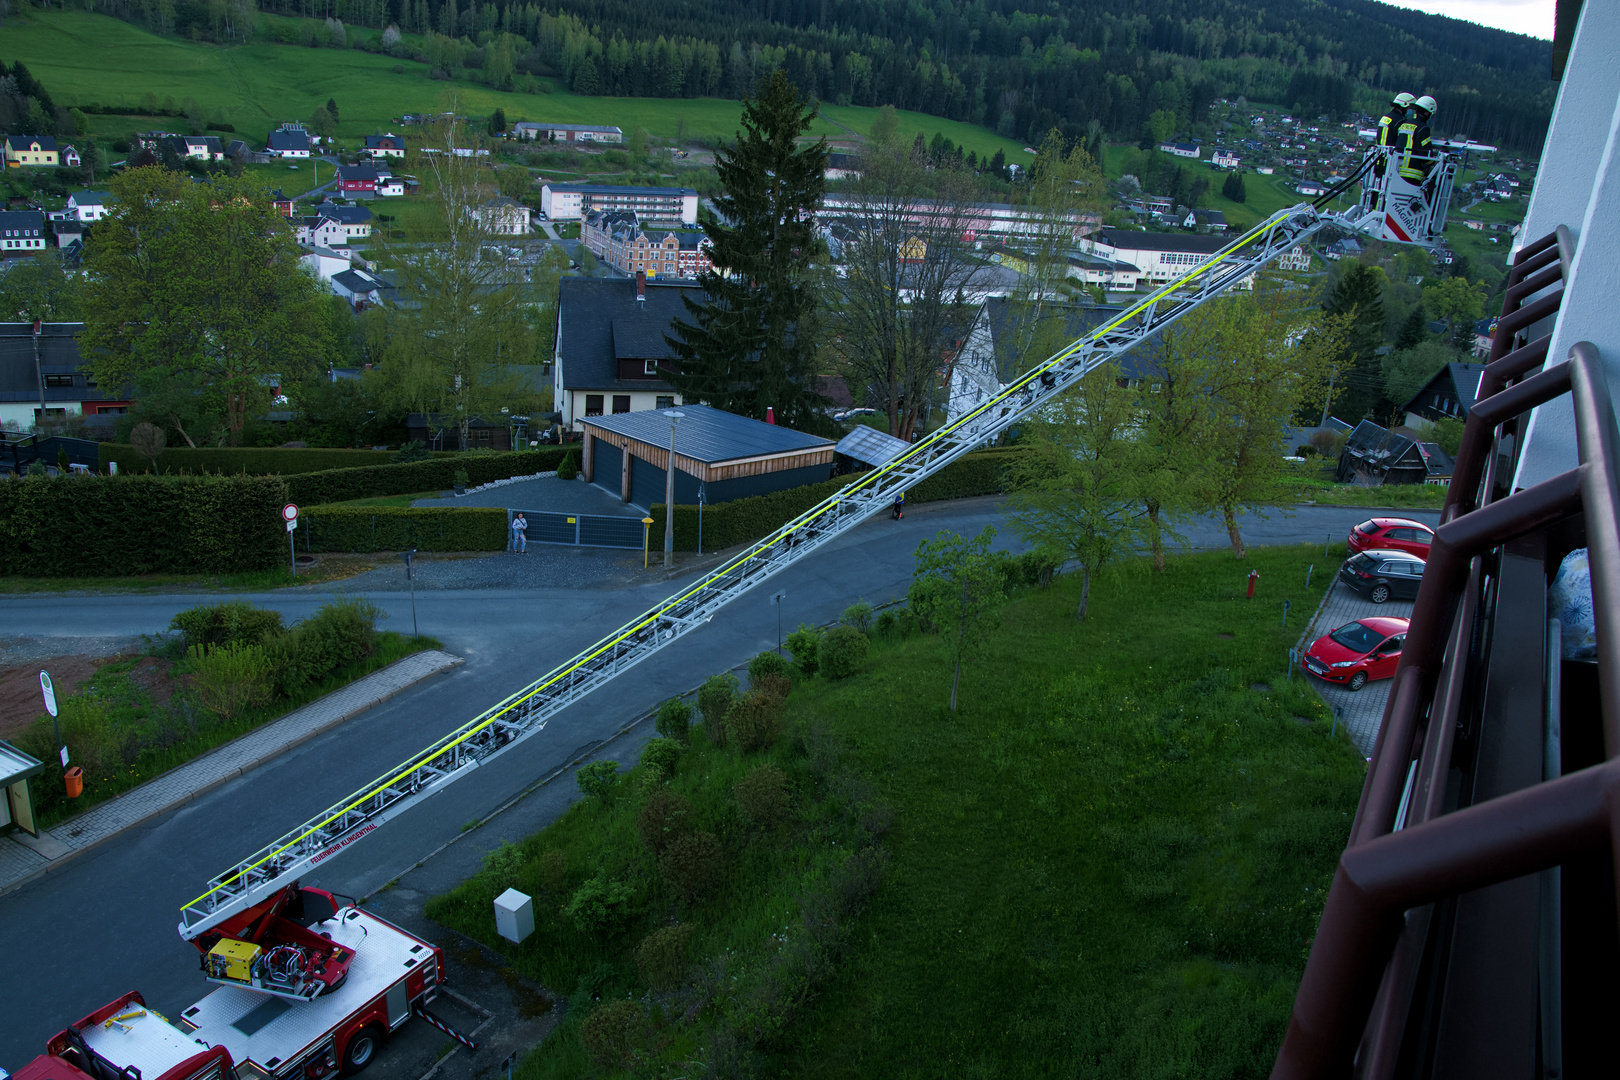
(1160, 256)
(1185, 150)
(1374, 456)
(842, 167)
(1296, 258)
(390, 146)
(359, 288)
(31, 152)
(1224, 159)
(61, 375)
(194, 147)
(88, 206)
(334, 226)
(21, 231)
(360, 179)
(390, 186)
(281, 204)
(573, 133)
(611, 346)
(617, 238)
(325, 263)
(71, 158)
(504, 217)
(1448, 396)
(289, 141)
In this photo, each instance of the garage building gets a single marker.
(729, 456)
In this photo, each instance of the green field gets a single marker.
(95, 59)
(1109, 862)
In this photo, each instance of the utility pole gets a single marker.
(675, 417)
(39, 373)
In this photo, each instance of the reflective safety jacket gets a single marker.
(1417, 151)
(1389, 124)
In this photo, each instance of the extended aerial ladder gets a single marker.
(527, 712)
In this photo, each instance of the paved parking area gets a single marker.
(1361, 710)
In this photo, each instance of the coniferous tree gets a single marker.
(1414, 331)
(1358, 373)
(331, 107)
(751, 345)
(1233, 188)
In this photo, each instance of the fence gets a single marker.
(582, 530)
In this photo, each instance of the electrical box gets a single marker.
(232, 959)
(514, 915)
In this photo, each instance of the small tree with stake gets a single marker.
(958, 586)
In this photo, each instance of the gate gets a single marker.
(582, 530)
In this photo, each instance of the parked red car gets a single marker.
(1392, 534)
(1356, 652)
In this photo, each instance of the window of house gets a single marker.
(483, 436)
(649, 367)
(58, 380)
(666, 401)
(621, 403)
(593, 404)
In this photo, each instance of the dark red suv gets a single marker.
(1392, 534)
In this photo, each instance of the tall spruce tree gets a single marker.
(752, 343)
(1358, 376)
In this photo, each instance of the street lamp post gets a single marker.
(675, 417)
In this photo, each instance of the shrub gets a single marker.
(433, 474)
(764, 796)
(503, 864)
(601, 906)
(142, 525)
(675, 719)
(661, 956)
(210, 625)
(842, 652)
(460, 478)
(755, 720)
(568, 467)
(887, 625)
(598, 778)
(691, 865)
(338, 634)
(665, 816)
(415, 450)
(611, 1034)
(802, 644)
(776, 687)
(395, 528)
(714, 699)
(229, 679)
(234, 460)
(766, 663)
(660, 755)
(859, 615)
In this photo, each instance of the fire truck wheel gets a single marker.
(364, 1045)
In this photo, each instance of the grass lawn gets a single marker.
(86, 58)
(128, 737)
(327, 568)
(1110, 862)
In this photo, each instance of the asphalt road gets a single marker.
(105, 922)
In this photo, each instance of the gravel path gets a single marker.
(22, 649)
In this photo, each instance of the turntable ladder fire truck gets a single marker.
(311, 985)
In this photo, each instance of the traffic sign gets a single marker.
(49, 691)
(289, 512)
(292, 524)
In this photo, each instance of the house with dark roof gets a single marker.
(1374, 456)
(360, 178)
(721, 454)
(31, 152)
(195, 147)
(1448, 396)
(86, 206)
(22, 232)
(1186, 150)
(389, 145)
(288, 142)
(62, 377)
(842, 167)
(611, 349)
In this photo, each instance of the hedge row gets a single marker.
(101, 526)
(389, 528)
(743, 520)
(249, 459)
(376, 481)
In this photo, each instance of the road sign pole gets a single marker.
(49, 692)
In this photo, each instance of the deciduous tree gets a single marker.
(200, 286)
(958, 585)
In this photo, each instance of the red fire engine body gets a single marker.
(241, 1032)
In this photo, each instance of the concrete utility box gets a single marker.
(514, 916)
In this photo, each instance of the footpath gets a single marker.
(24, 858)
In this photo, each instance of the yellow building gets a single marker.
(32, 151)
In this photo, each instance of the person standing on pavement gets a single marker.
(520, 533)
(899, 505)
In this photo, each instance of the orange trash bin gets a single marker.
(75, 782)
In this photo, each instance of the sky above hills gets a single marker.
(1532, 17)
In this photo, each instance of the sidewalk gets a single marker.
(24, 857)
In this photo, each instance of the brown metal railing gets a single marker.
(1355, 1003)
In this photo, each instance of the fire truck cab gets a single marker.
(241, 1033)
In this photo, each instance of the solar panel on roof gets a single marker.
(871, 446)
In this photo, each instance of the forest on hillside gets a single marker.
(1068, 65)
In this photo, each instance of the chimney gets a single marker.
(641, 286)
(770, 415)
